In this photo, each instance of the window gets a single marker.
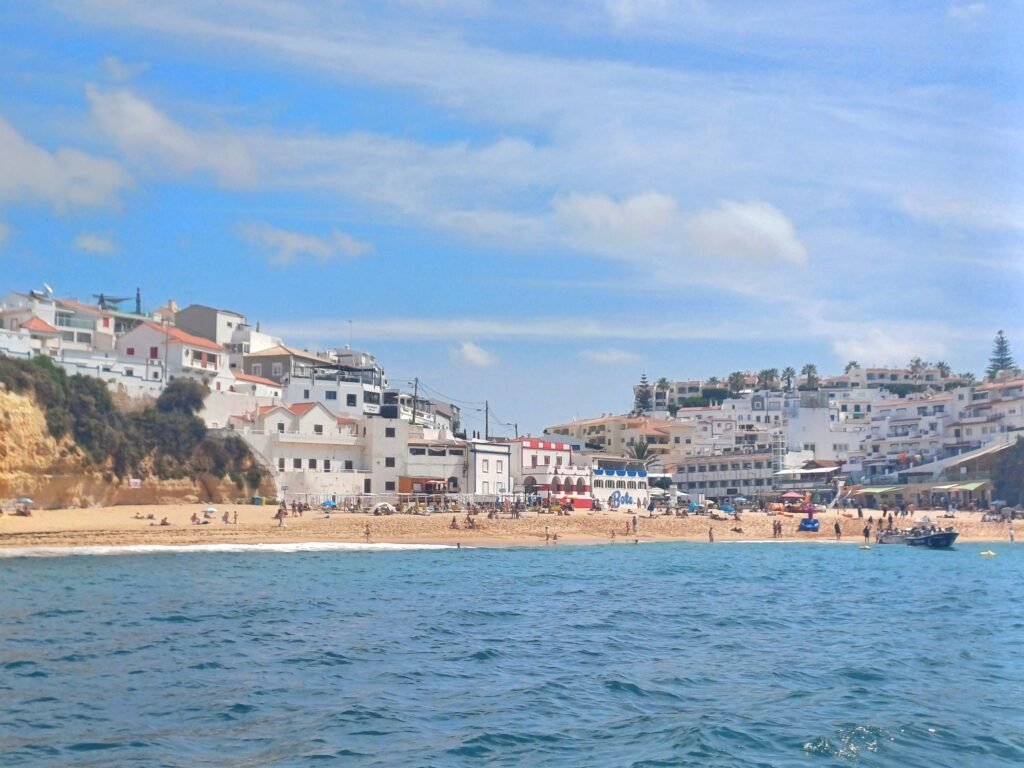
(257, 369)
(280, 464)
(348, 463)
(350, 401)
(129, 371)
(276, 369)
(533, 460)
(417, 451)
(305, 394)
(154, 353)
(280, 427)
(331, 395)
(327, 465)
(558, 461)
(487, 487)
(131, 351)
(389, 485)
(296, 463)
(389, 431)
(312, 463)
(389, 461)
(499, 466)
(485, 465)
(547, 460)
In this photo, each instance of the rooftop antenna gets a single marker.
(350, 334)
(138, 301)
(48, 289)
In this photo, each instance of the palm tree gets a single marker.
(810, 374)
(968, 378)
(788, 374)
(851, 365)
(641, 451)
(766, 379)
(917, 367)
(943, 369)
(713, 381)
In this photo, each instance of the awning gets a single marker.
(811, 471)
(972, 486)
(947, 487)
(874, 491)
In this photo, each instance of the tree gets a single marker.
(943, 369)
(642, 397)
(852, 365)
(713, 381)
(917, 367)
(182, 396)
(737, 381)
(788, 374)
(641, 451)
(1008, 474)
(767, 378)
(1001, 359)
(968, 378)
(662, 384)
(810, 374)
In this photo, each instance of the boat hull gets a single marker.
(940, 540)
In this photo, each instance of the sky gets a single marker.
(531, 203)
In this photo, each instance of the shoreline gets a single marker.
(128, 526)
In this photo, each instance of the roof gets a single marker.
(880, 489)
(301, 409)
(212, 309)
(256, 380)
(178, 336)
(280, 350)
(78, 306)
(38, 325)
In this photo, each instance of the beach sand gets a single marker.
(118, 526)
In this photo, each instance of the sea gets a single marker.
(660, 654)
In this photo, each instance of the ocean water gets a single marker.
(618, 655)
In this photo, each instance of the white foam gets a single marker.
(163, 549)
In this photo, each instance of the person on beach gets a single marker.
(867, 533)
(164, 521)
(634, 523)
(235, 521)
(1013, 534)
(195, 519)
(281, 515)
(711, 535)
(366, 532)
(839, 531)
(547, 534)
(454, 524)
(225, 518)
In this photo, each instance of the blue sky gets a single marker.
(532, 202)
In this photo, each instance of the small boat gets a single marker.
(932, 539)
(988, 553)
(892, 537)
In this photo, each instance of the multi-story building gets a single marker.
(546, 468)
(280, 362)
(489, 465)
(218, 325)
(153, 348)
(719, 477)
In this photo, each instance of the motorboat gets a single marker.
(932, 538)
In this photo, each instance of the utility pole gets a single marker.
(516, 425)
(487, 420)
(415, 396)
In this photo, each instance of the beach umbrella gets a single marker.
(329, 504)
(25, 500)
(740, 499)
(211, 510)
(792, 495)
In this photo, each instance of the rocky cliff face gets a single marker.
(53, 474)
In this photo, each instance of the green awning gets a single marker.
(879, 489)
(946, 487)
(972, 486)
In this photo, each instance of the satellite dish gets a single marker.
(48, 289)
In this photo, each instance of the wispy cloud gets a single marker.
(120, 72)
(151, 139)
(93, 242)
(63, 178)
(609, 356)
(967, 12)
(285, 246)
(475, 355)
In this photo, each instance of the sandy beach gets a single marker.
(131, 525)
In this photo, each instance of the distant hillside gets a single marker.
(61, 437)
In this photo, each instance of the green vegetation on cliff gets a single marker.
(169, 441)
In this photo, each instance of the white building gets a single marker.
(546, 468)
(150, 346)
(489, 468)
(217, 325)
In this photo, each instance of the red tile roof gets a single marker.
(38, 325)
(256, 380)
(178, 336)
(301, 409)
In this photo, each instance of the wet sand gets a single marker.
(119, 526)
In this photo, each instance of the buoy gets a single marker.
(988, 553)
(864, 546)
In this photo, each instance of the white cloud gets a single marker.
(967, 12)
(64, 178)
(119, 71)
(754, 230)
(286, 246)
(92, 242)
(468, 352)
(4, 232)
(889, 346)
(150, 138)
(609, 356)
(975, 212)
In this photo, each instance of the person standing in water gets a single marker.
(711, 535)
(838, 530)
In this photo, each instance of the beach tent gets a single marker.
(25, 500)
(329, 504)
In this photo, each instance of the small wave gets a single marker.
(163, 549)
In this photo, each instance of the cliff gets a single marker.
(54, 473)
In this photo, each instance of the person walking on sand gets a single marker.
(281, 515)
(235, 519)
(838, 530)
(634, 523)
(366, 532)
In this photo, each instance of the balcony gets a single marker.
(291, 438)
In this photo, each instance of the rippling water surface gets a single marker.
(624, 655)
